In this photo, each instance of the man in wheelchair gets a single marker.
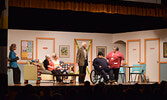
(101, 65)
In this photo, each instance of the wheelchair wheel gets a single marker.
(93, 76)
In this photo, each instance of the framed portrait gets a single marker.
(165, 49)
(102, 49)
(64, 51)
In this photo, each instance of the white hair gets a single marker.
(47, 56)
(83, 43)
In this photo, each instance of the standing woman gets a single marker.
(115, 59)
(13, 57)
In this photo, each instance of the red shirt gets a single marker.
(51, 64)
(115, 59)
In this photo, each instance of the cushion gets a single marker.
(42, 66)
(45, 72)
(47, 77)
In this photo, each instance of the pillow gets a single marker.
(42, 66)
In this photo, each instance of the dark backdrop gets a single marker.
(60, 20)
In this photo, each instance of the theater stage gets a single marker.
(75, 84)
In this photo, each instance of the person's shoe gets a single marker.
(59, 81)
(111, 81)
(116, 83)
(106, 81)
(66, 83)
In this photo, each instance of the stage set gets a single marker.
(45, 27)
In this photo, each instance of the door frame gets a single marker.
(90, 51)
(158, 54)
(127, 52)
(136, 40)
(44, 38)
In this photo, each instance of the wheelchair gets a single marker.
(95, 76)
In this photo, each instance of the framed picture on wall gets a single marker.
(102, 49)
(64, 51)
(26, 49)
(165, 49)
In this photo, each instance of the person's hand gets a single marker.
(76, 64)
(108, 66)
(49, 66)
(100, 66)
(121, 64)
(16, 55)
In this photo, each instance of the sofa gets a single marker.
(36, 71)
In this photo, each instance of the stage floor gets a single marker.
(73, 84)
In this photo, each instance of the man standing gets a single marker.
(82, 61)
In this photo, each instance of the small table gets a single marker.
(129, 70)
(63, 75)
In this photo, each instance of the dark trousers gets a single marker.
(104, 73)
(54, 72)
(116, 73)
(82, 70)
(16, 75)
(65, 71)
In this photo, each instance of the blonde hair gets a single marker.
(54, 55)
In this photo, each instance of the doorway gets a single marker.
(152, 59)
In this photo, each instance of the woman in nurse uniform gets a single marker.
(115, 59)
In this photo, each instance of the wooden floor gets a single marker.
(71, 84)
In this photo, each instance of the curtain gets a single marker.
(94, 7)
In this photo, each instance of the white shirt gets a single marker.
(85, 53)
(56, 63)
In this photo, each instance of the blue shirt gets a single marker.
(12, 55)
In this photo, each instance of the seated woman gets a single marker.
(49, 65)
(56, 61)
(58, 66)
(100, 64)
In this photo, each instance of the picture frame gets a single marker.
(27, 47)
(64, 51)
(102, 49)
(165, 49)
